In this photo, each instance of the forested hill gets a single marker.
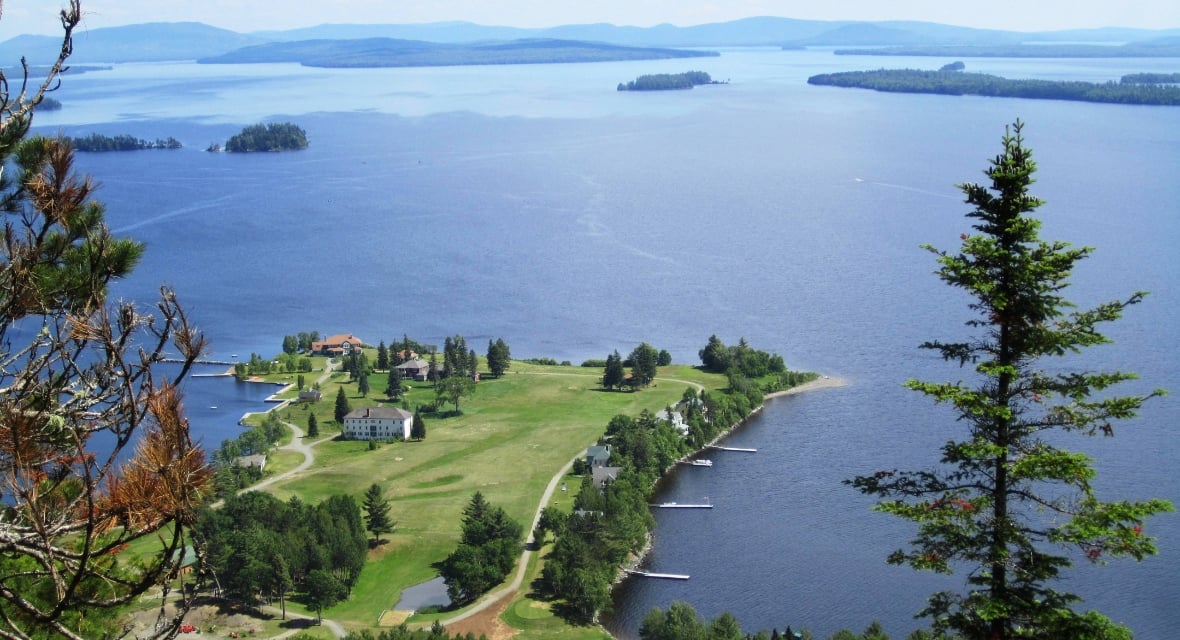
(390, 52)
(980, 84)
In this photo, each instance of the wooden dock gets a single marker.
(678, 505)
(665, 576)
(744, 450)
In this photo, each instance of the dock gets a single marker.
(742, 449)
(665, 576)
(677, 505)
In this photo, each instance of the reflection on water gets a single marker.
(430, 593)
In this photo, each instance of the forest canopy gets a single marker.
(272, 136)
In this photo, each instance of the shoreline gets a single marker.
(823, 382)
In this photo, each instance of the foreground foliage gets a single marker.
(1008, 502)
(80, 388)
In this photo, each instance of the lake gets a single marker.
(537, 204)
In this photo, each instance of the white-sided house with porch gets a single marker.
(378, 423)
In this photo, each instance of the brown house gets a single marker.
(340, 344)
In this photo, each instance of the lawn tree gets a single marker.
(362, 383)
(644, 359)
(394, 388)
(376, 508)
(382, 357)
(499, 357)
(1007, 503)
(473, 363)
(342, 407)
(452, 390)
(313, 426)
(613, 374)
(418, 428)
(76, 371)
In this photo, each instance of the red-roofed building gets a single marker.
(340, 344)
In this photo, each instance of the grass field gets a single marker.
(509, 440)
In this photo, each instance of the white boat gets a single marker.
(701, 463)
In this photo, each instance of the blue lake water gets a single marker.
(537, 204)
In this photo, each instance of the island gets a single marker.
(667, 81)
(98, 142)
(272, 136)
(1158, 48)
(393, 52)
(980, 84)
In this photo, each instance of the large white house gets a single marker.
(378, 423)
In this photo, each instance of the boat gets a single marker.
(701, 463)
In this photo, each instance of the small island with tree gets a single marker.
(272, 136)
(98, 142)
(668, 81)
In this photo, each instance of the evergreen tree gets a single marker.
(382, 357)
(342, 406)
(394, 389)
(473, 363)
(376, 508)
(313, 426)
(1008, 502)
(322, 590)
(95, 451)
(499, 358)
(644, 361)
(613, 374)
(362, 383)
(418, 427)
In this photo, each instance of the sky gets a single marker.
(39, 16)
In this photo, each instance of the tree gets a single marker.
(613, 374)
(1008, 503)
(377, 513)
(499, 357)
(452, 390)
(663, 358)
(382, 357)
(418, 428)
(322, 591)
(290, 344)
(313, 426)
(77, 371)
(643, 364)
(394, 389)
(342, 406)
(362, 383)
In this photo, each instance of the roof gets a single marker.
(380, 413)
(416, 363)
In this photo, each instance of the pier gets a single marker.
(744, 450)
(677, 505)
(665, 576)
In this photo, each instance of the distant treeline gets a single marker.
(99, 142)
(1151, 78)
(667, 81)
(273, 136)
(1162, 48)
(979, 84)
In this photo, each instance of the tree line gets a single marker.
(1151, 78)
(98, 142)
(666, 81)
(261, 549)
(681, 621)
(489, 545)
(610, 522)
(980, 84)
(272, 136)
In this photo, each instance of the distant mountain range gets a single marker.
(153, 42)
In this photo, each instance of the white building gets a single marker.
(378, 423)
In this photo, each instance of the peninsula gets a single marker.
(956, 83)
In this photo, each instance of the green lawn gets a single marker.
(510, 439)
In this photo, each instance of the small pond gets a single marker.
(431, 593)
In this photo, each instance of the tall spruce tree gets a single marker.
(376, 508)
(342, 407)
(1007, 503)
